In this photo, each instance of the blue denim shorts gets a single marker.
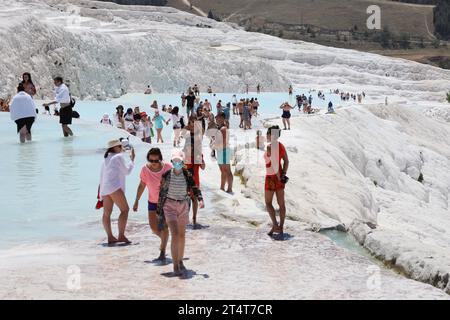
(152, 206)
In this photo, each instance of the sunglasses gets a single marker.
(154, 161)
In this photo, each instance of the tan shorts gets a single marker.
(176, 211)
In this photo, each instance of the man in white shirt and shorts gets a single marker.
(62, 96)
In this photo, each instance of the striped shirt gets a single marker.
(177, 187)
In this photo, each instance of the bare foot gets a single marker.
(162, 257)
(112, 240)
(123, 239)
(176, 270)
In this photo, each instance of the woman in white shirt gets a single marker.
(23, 113)
(112, 188)
(177, 126)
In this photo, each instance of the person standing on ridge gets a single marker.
(276, 178)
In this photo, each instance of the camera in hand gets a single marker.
(126, 144)
(284, 179)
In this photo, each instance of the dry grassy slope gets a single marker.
(330, 14)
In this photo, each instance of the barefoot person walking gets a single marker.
(275, 178)
(112, 188)
(62, 96)
(151, 175)
(194, 158)
(286, 116)
(23, 113)
(173, 207)
(223, 151)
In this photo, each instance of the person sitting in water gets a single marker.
(4, 104)
(330, 107)
(47, 111)
(148, 91)
(106, 120)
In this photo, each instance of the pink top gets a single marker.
(153, 180)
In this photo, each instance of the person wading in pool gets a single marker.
(23, 113)
(151, 175)
(112, 188)
(28, 84)
(62, 96)
(173, 207)
(275, 178)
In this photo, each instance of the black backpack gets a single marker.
(72, 102)
(182, 122)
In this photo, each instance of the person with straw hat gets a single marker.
(112, 188)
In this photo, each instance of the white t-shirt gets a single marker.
(62, 94)
(113, 173)
(139, 130)
(176, 121)
(22, 106)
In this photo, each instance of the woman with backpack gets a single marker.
(173, 207)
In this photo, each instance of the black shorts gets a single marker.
(65, 115)
(286, 115)
(28, 122)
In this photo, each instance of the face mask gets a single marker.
(178, 165)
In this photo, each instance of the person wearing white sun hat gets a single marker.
(173, 207)
(112, 188)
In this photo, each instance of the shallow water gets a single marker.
(269, 102)
(50, 185)
(347, 241)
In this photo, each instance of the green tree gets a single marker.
(386, 38)
(405, 41)
(441, 18)
(448, 97)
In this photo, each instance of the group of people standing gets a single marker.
(174, 186)
(23, 110)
